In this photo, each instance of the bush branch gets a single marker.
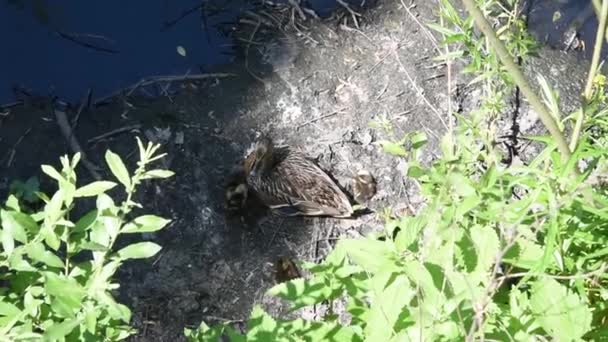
(518, 77)
(595, 61)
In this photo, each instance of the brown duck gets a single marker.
(291, 184)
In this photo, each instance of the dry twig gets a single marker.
(113, 132)
(13, 150)
(156, 79)
(75, 38)
(419, 91)
(85, 102)
(68, 134)
(341, 111)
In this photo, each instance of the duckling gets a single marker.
(290, 184)
(285, 270)
(236, 189)
(364, 186)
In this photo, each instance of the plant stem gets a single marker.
(595, 60)
(597, 7)
(518, 77)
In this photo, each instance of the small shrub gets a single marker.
(57, 271)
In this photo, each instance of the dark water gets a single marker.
(38, 58)
(137, 43)
(548, 20)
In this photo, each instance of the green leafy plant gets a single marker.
(57, 278)
(27, 190)
(497, 252)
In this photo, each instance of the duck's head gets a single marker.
(261, 157)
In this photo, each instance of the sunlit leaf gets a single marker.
(51, 172)
(395, 149)
(118, 168)
(153, 174)
(372, 255)
(388, 303)
(38, 252)
(145, 223)
(261, 325)
(66, 291)
(560, 311)
(58, 331)
(139, 250)
(8, 244)
(8, 309)
(94, 189)
(302, 292)
(15, 224)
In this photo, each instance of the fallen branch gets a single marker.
(68, 134)
(319, 118)
(13, 151)
(155, 79)
(169, 23)
(74, 38)
(85, 102)
(113, 132)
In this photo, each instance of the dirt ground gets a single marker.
(320, 88)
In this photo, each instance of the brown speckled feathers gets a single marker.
(291, 184)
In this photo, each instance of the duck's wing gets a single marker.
(308, 190)
(284, 199)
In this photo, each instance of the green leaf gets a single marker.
(106, 204)
(524, 254)
(93, 246)
(302, 292)
(415, 170)
(118, 168)
(16, 261)
(261, 326)
(8, 244)
(51, 172)
(559, 311)
(388, 302)
(487, 246)
(86, 222)
(430, 280)
(372, 255)
(158, 174)
(115, 310)
(52, 210)
(51, 238)
(90, 319)
(145, 223)
(75, 160)
(99, 234)
(15, 224)
(8, 309)
(139, 250)
(94, 189)
(58, 331)
(13, 203)
(67, 292)
(460, 184)
(411, 228)
(395, 149)
(36, 251)
(418, 140)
